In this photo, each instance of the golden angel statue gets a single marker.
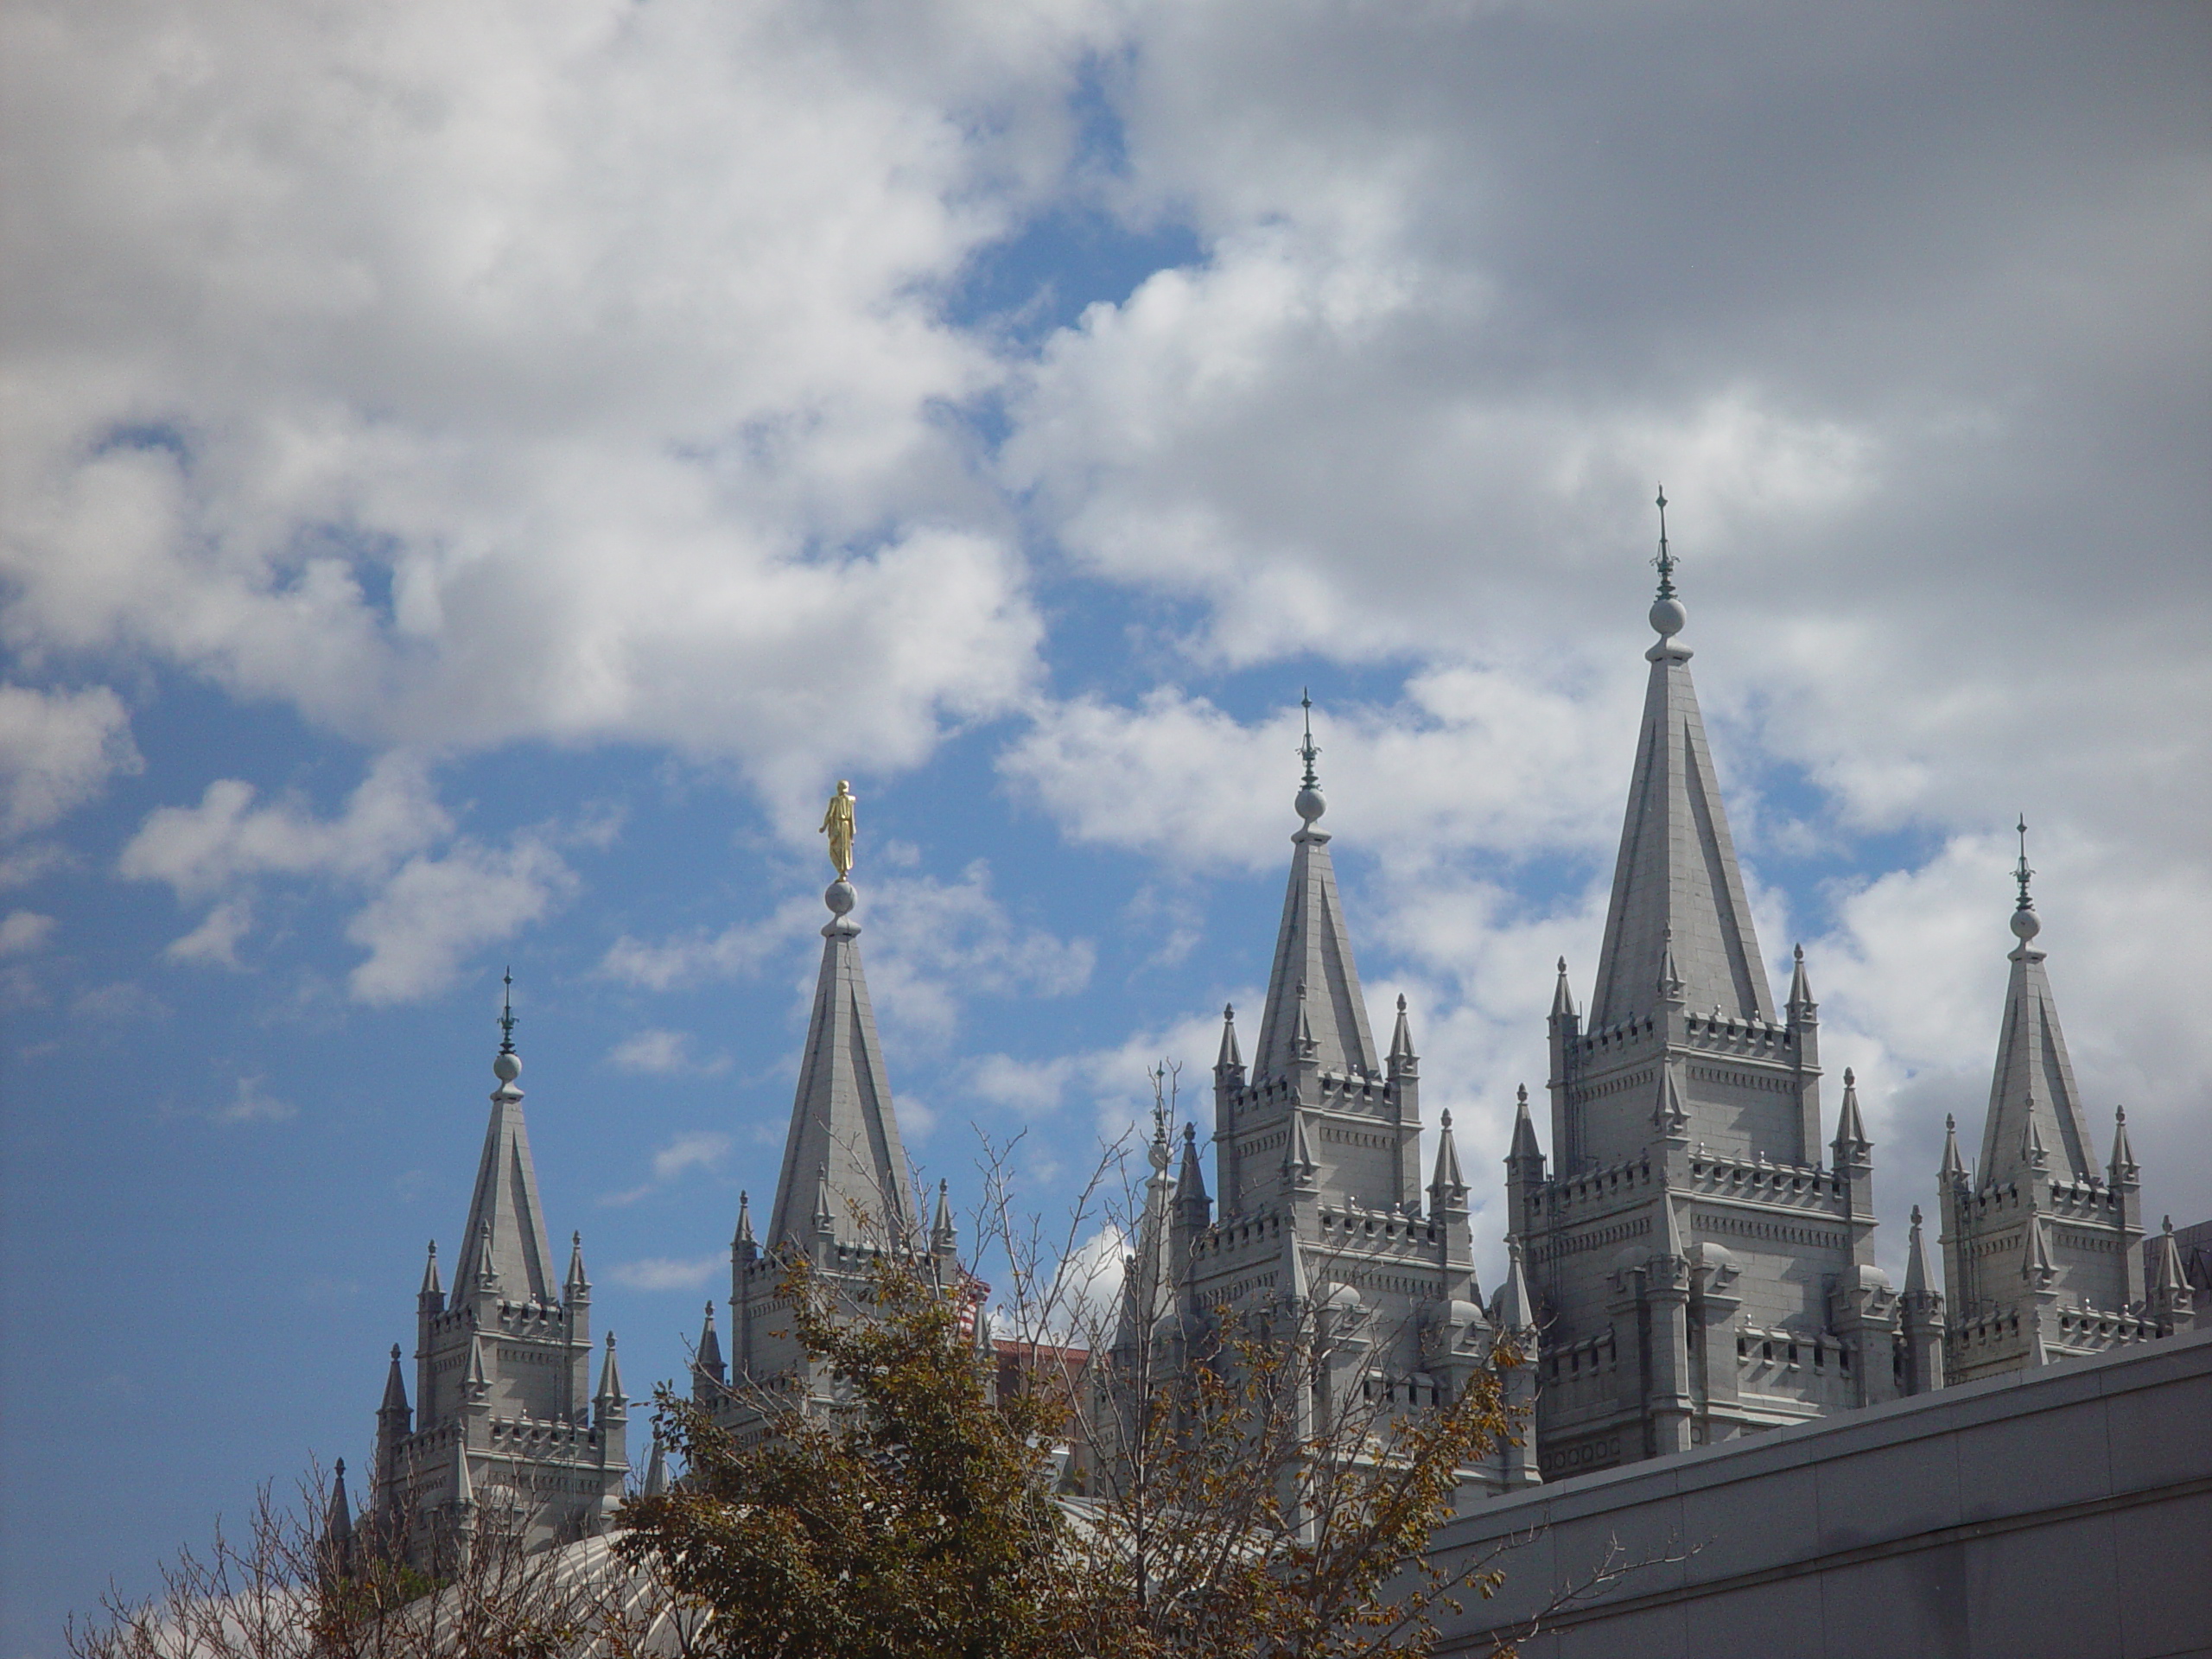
(837, 825)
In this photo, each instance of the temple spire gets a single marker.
(1230, 1059)
(1448, 1187)
(1918, 1281)
(1313, 961)
(2033, 1100)
(657, 1470)
(1851, 1143)
(1678, 913)
(842, 1158)
(708, 1360)
(503, 1243)
(610, 1401)
(1954, 1170)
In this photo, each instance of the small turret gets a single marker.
(1297, 1292)
(2031, 1147)
(431, 1298)
(476, 1381)
(1920, 1310)
(1669, 1116)
(742, 1245)
(945, 1235)
(2036, 1265)
(1194, 1211)
(610, 1404)
(1953, 1174)
(710, 1372)
(1801, 1006)
(577, 1287)
(1228, 1064)
(1447, 1189)
(1850, 1144)
(2171, 1304)
(337, 1554)
(1403, 1062)
(2122, 1169)
(1562, 996)
(657, 1470)
(394, 1409)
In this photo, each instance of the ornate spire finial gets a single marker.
(1311, 803)
(2021, 872)
(507, 1013)
(1667, 614)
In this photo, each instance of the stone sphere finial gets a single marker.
(1311, 803)
(840, 897)
(1668, 617)
(507, 1066)
(2026, 925)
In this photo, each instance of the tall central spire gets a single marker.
(1676, 883)
(1314, 1007)
(842, 1158)
(503, 1243)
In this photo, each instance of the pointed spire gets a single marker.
(395, 1389)
(2036, 1265)
(1448, 1187)
(1525, 1148)
(464, 1489)
(657, 1470)
(1671, 985)
(1190, 1182)
(1677, 866)
(1403, 1061)
(1800, 989)
(843, 1156)
(2169, 1283)
(2023, 875)
(476, 1381)
(1230, 1060)
(707, 1361)
(2031, 1147)
(1314, 963)
(742, 1242)
(2122, 1169)
(1954, 1170)
(610, 1401)
(578, 1285)
(2038, 1354)
(1297, 1291)
(945, 1235)
(1670, 1228)
(503, 1242)
(338, 1523)
(431, 1288)
(2033, 1080)
(1664, 564)
(1297, 1157)
(1669, 1116)
(1851, 1143)
(1917, 1279)
(1517, 1309)
(1562, 996)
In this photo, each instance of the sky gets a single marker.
(476, 476)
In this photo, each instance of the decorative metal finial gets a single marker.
(2023, 875)
(1308, 749)
(507, 1013)
(1664, 563)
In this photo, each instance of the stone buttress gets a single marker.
(507, 1431)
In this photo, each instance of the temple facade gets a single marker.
(1693, 1260)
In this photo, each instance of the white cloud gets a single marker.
(434, 911)
(58, 749)
(701, 1149)
(251, 1105)
(24, 932)
(215, 940)
(433, 896)
(669, 1273)
(660, 1052)
(574, 372)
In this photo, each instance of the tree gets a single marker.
(1231, 1497)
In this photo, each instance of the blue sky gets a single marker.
(476, 479)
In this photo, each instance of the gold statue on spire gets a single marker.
(837, 825)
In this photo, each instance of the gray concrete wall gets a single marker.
(2065, 1512)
